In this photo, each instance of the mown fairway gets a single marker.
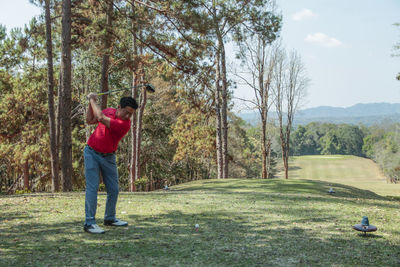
(242, 223)
(349, 170)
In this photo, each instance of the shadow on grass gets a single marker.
(223, 239)
(293, 168)
(295, 190)
(394, 198)
(45, 194)
(9, 216)
(281, 186)
(370, 235)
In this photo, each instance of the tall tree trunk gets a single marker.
(220, 162)
(220, 57)
(287, 147)
(106, 56)
(265, 141)
(264, 149)
(224, 109)
(268, 159)
(50, 96)
(65, 100)
(286, 164)
(263, 104)
(134, 93)
(87, 128)
(143, 100)
(26, 175)
(58, 120)
(133, 136)
(285, 155)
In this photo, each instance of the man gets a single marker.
(99, 156)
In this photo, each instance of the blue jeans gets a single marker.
(94, 164)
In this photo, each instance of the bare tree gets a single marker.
(65, 98)
(259, 57)
(289, 84)
(50, 96)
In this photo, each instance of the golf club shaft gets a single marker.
(113, 91)
(118, 90)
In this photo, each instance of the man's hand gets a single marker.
(92, 96)
(94, 113)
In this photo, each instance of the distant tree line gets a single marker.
(327, 139)
(381, 143)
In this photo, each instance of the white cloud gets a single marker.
(302, 14)
(323, 39)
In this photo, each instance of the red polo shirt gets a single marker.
(105, 140)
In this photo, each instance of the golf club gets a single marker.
(149, 88)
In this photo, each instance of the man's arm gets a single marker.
(90, 119)
(96, 111)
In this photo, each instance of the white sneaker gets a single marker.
(93, 229)
(116, 222)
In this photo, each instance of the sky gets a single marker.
(346, 47)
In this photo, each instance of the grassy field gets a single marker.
(242, 223)
(349, 170)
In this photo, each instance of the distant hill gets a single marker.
(367, 114)
(358, 110)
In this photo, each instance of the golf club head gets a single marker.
(150, 88)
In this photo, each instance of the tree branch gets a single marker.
(146, 5)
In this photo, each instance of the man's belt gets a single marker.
(101, 154)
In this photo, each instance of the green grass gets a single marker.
(242, 223)
(349, 170)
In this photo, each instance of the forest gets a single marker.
(186, 129)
